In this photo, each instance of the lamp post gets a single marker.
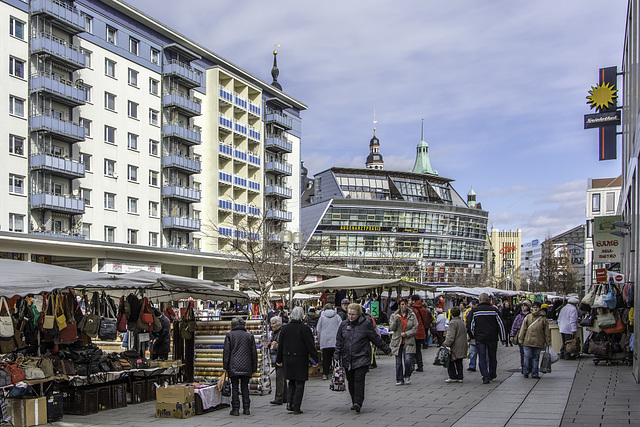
(290, 243)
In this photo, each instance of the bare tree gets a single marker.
(548, 267)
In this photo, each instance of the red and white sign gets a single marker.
(601, 275)
(616, 277)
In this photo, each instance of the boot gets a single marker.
(235, 412)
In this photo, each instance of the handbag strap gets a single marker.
(108, 311)
(4, 303)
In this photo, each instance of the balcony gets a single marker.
(60, 50)
(59, 234)
(225, 178)
(254, 133)
(63, 91)
(252, 210)
(253, 186)
(185, 164)
(279, 215)
(278, 143)
(179, 223)
(254, 109)
(278, 168)
(225, 121)
(225, 205)
(240, 154)
(278, 191)
(225, 150)
(225, 94)
(239, 127)
(57, 203)
(254, 159)
(239, 208)
(57, 165)
(240, 101)
(189, 106)
(189, 135)
(185, 194)
(62, 14)
(189, 76)
(62, 129)
(273, 116)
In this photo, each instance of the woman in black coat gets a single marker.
(353, 350)
(240, 361)
(295, 346)
(508, 314)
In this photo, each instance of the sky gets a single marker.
(501, 86)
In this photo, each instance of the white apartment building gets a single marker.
(130, 146)
(602, 200)
(530, 256)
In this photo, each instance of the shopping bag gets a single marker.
(545, 363)
(552, 353)
(6, 322)
(443, 356)
(572, 346)
(337, 378)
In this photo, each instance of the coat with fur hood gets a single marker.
(395, 326)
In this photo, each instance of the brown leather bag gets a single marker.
(15, 370)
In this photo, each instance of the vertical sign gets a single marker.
(606, 246)
(603, 98)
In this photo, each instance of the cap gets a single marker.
(527, 303)
(574, 300)
(440, 310)
(345, 301)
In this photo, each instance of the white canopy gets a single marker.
(474, 292)
(346, 282)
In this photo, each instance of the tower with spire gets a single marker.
(423, 165)
(275, 72)
(374, 159)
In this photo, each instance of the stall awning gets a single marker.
(346, 282)
(474, 292)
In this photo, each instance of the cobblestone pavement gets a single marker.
(576, 392)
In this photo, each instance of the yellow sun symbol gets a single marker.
(602, 95)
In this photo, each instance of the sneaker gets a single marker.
(485, 381)
(407, 381)
(325, 377)
(449, 380)
(399, 382)
(459, 381)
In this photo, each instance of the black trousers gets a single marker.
(327, 358)
(296, 392)
(418, 357)
(455, 369)
(355, 377)
(244, 386)
(281, 385)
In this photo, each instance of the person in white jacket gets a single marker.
(568, 324)
(327, 329)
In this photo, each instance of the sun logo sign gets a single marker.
(602, 96)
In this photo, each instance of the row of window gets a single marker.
(132, 76)
(134, 44)
(610, 202)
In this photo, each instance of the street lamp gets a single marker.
(290, 243)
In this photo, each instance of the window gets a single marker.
(154, 86)
(112, 35)
(87, 93)
(16, 184)
(109, 167)
(16, 222)
(109, 134)
(85, 195)
(109, 101)
(153, 117)
(86, 230)
(88, 22)
(610, 202)
(16, 145)
(133, 110)
(86, 124)
(132, 205)
(132, 173)
(153, 178)
(153, 209)
(109, 201)
(85, 159)
(153, 239)
(16, 28)
(109, 234)
(16, 106)
(153, 147)
(87, 57)
(155, 56)
(132, 141)
(133, 45)
(110, 68)
(132, 236)
(595, 202)
(133, 77)
(16, 67)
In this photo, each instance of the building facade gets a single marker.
(530, 255)
(570, 245)
(124, 134)
(506, 257)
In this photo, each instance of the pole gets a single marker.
(290, 280)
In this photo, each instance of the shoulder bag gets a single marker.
(187, 325)
(599, 301)
(610, 298)
(14, 370)
(91, 319)
(48, 319)
(108, 330)
(572, 346)
(617, 329)
(122, 317)
(6, 321)
(590, 297)
(70, 332)
(606, 320)
(61, 319)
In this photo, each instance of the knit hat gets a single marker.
(345, 301)
(544, 306)
(527, 303)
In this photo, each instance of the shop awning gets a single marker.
(474, 292)
(346, 282)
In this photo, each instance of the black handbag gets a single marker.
(588, 320)
(600, 348)
(108, 330)
(226, 388)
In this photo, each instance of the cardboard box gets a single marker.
(175, 394)
(175, 410)
(28, 411)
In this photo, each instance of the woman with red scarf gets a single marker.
(404, 325)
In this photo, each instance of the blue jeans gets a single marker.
(487, 353)
(521, 357)
(531, 361)
(473, 356)
(407, 358)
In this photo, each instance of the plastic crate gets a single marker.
(150, 389)
(79, 401)
(118, 395)
(104, 398)
(137, 391)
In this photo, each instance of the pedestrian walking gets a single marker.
(403, 326)
(473, 351)
(327, 330)
(240, 361)
(508, 314)
(312, 318)
(457, 341)
(534, 335)
(295, 347)
(280, 395)
(424, 322)
(485, 325)
(342, 310)
(568, 324)
(353, 350)
(525, 309)
(441, 326)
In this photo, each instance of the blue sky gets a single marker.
(501, 86)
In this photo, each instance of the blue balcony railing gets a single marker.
(273, 116)
(188, 75)
(278, 168)
(62, 13)
(180, 223)
(189, 106)
(188, 134)
(279, 215)
(62, 128)
(63, 90)
(180, 162)
(59, 50)
(278, 191)
(57, 165)
(58, 203)
(278, 143)
(181, 193)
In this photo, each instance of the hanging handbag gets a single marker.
(590, 297)
(606, 320)
(617, 329)
(588, 320)
(90, 324)
(61, 319)
(145, 315)
(122, 317)
(619, 298)
(610, 298)
(225, 388)
(599, 301)
(48, 321)
(187, 325)
(6, 321)
(108, 324)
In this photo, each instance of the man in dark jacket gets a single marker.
(424, 323)
(161, 343)
(295, 346)
(353, 350)
(342, 310)
(240, 361)
(484, 324)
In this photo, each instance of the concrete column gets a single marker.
(201, 272)
(94, 265)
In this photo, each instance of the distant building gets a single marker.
(573, 242)
(530, 255)
(507, 258)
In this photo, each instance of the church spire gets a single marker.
(423, 165)
(374, 159)
(275, 72)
